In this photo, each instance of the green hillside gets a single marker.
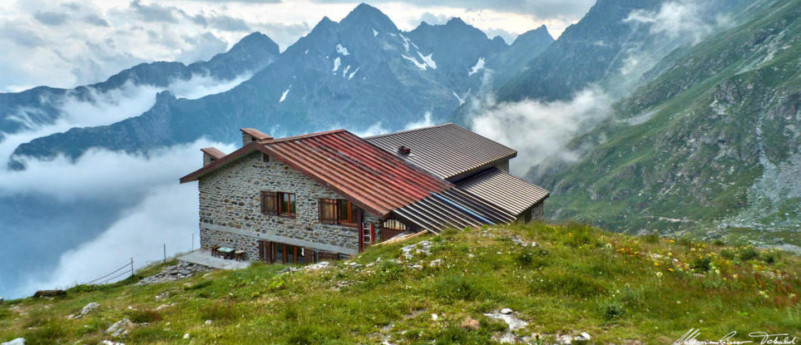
(558, 279)
(711, 144)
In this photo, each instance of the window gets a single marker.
(278, 203)
(393, 224)
(338, 211)
(347, 214)
(328, 211)
(288, 205)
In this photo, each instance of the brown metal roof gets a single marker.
(452, 208)
(503, 190)
(447, 150)
(372, 178)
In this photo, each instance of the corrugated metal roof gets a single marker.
(445, 150)
(503, 190)
(374, 179)
(452, 208)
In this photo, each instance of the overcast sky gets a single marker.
(65, 43)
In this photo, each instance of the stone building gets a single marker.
(331, 194)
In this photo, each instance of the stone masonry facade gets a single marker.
(230, 210)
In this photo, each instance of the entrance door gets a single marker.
(266, 251)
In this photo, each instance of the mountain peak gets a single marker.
(255, 39)
(369, 16)
(539, 34)
(456, 21)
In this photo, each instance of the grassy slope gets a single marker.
(575, 279)
(697, 154)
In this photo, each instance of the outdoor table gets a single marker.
(226, 252)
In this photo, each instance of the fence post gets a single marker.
(131, 267)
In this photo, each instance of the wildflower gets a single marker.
(670, 269)
(734, 276)
(659, 275)
(717, 271)
(656, 264)
(763, 293)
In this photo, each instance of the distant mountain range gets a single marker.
(704, 131)
(360, 72)
(37, 107)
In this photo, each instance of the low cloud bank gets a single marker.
(163, 211)
(100, 108)
(167, 215)
(539, 130)
(682, 20)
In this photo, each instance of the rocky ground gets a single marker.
(180, 271)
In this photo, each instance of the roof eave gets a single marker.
(233, 156)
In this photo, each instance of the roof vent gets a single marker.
(404, 150)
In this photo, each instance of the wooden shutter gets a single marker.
(328, 211)
(269, 202)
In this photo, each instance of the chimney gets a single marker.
(211, 155)
(250, 135)
(405, 151)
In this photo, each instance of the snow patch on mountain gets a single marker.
(375, 33)
(342, 50)
(337, 63)
(353, 73)
(429, 61)
(421, 65)
(283, 95)
(461, 99)
(477, 67)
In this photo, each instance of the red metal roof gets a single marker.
(372, 178)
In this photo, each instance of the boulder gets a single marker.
(49, 293)
(92, 306)
(120, 328)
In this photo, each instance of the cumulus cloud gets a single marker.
(539, 130)
(50, 18)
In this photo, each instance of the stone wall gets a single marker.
(230, 209)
